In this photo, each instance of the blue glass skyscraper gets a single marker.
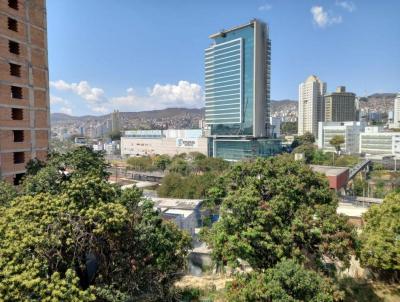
(237, 92)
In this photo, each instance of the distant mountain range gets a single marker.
(155, 119)
(151, 114)
(155, 114)
(383, 102)
(376, 101)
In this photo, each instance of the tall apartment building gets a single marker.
(237, 92)
(24, 93)
(396, 113)
(115, 121)
(311, 105)
(340, 106)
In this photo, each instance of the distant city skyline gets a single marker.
(143, 55)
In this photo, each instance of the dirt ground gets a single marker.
(203, 282)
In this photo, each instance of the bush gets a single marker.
(142, 163)
(380, 239)
(288, 281)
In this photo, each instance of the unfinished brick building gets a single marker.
(24, 86)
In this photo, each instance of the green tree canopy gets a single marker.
(307, 138)
(180, 166)
(48, 179)
(115, 135)
(196, 156)
(33, 166)
(278, 208)
(141, 163)
(86, 240)
(288, 281)
(337, 141)
(194, 186)
(7, 193)
(289, 127)
(380, 238)
(210, 164)
(162, 162)
(308, 150)
(80, 162)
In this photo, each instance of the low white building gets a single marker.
(275, 126)
(112, 147)
(375, 141)
(349, 130)
(170, 142)
(185, 213)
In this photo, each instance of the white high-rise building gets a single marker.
(311, 105)
(396, 114)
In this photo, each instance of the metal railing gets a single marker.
(358, 168)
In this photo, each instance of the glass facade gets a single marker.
(229, 77)
(237, 79)
(234, 150)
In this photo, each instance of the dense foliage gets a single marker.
(306, 138)
(80, 238)
(184, 164)
(192, 176)
(115, 135)
(177, 186)
(289, 128)
(288, 281)
(141, 163)
(278, 208)
(380, 238)
(7, 193)
(315, 156)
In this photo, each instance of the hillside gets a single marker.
(158, 114)
(185, 117)
(152, 114)
(382, 102)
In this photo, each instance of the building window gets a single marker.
(18, 178)
(16, 92)
(17, 114)
(13, 4)
(13, 47)
(18, 136)
(15, 70)
(12, 24)
(19, 157)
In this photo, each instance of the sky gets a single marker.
(135, 55)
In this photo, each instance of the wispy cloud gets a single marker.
(59, 101)
(322, 19)
(56, 100)
(347, 5)
(265, 7)
(66, 110)
(160, 96)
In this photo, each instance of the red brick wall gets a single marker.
(34, 90)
